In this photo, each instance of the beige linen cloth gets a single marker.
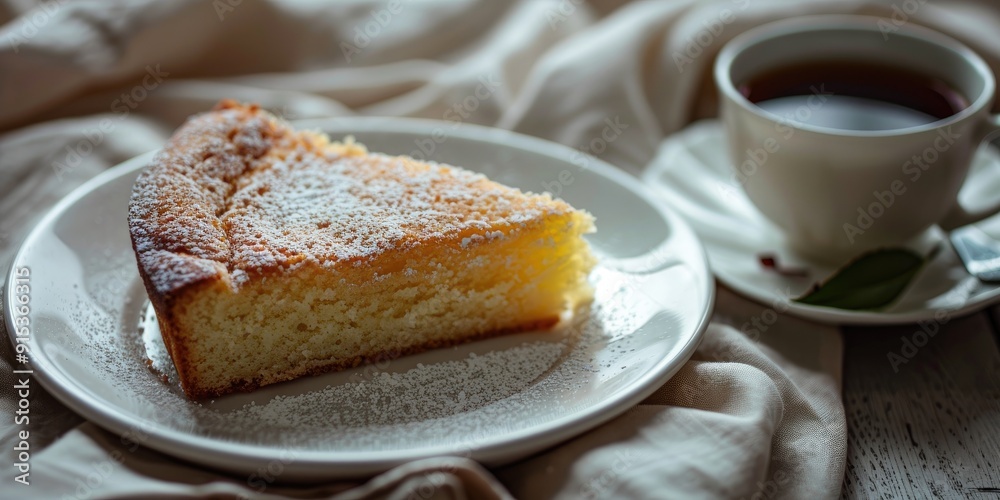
(750, 416)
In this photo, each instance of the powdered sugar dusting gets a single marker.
(426, 392)
(237, 191)
(326, 209)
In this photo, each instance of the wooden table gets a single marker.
(923, 415)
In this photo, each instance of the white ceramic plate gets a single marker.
(692, 174)
(654, 294)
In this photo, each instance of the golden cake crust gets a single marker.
(176, 202)
(237, 196)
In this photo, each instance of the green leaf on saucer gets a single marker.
(871, 281)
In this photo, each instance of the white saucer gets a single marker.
(692, 174)
(495, 401)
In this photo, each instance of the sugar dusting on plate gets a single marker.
(458, 398)
(428, 391)
(372, 406)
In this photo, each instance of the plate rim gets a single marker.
(240, 457)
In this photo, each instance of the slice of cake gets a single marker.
(270, 253)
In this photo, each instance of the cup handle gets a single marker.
(961, 216)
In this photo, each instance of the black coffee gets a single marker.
(853, 95)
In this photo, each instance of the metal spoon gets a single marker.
(979, 252)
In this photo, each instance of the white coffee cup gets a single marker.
(837, 193)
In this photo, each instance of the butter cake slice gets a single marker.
(270, 253)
